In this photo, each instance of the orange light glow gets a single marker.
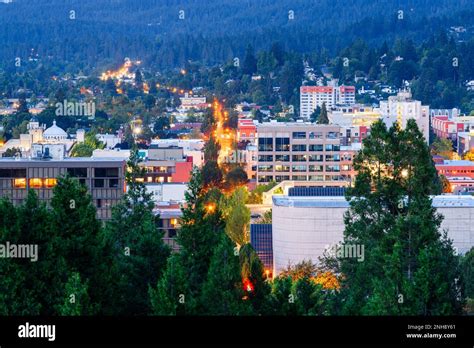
(248, 286)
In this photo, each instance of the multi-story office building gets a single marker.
(301, 152)
(167, 164)
(313, 96)
(104, 179)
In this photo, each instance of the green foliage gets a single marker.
(86, 148)
(266, 218)
(255, 196)
(237, 176)
(442, 147)
(237, 216)
(252, 271)
(412, 265)
(468, 273)
(201, 230)
(76, 299)
(222, 292)
(12, 152)
(323, 115)
(138, 249)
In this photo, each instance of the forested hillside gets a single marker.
(166, 33)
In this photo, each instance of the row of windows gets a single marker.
(37, 183)
(74, 172)
(298, 168)
(300, 158)
(279, 178)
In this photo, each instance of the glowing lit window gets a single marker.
(149, 179)
(19, 183)
(139, 180)
(173, 222)
(36, 183)
(50, 182)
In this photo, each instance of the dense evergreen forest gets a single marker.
(166, 33)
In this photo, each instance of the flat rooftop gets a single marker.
(456, 163)
(454, 201)
(66, 159)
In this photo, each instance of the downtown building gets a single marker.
(309, 221)
(104, 179)
(313, 96)
(301, 151)
(401, 108)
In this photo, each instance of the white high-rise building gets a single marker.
(401, 108)
(313, 96)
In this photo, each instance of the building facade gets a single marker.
(104, 178)
(304, 227)
(300, 152)
(313, 96)
(401, 108)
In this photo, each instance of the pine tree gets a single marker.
(254, 280)
(411, 265)
(76, 300)
(139, 251)
(201, 228)
(222, 292)
(323, 115)
(249, 65)
(171, 295)
(315, 114)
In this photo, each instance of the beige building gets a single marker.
(300, 151)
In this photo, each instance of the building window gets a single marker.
(13, 173)
(333, 158)
(299, 147)
(315, 158)
(299, 177)
(314, 168)
(77, 172)
(315, 135)
(19, 183)
(36, 183)
(299, 168)
(316, 147)
(98, 183)
(265, 144)
(282, 144)
(282, 158)
(299, 135)
(265, 178)
(265, 158)
(106, 172)
(332, 135)
(50, 182)
(316, 178)
(282, 168)
(332, 168)
(279, 178)
(299, 158)
(265, 168)
(99, 203)
(114, 183)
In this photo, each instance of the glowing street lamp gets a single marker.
(405, 173)
(210, 208)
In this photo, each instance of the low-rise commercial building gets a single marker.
(104, 178)
(304, 227)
